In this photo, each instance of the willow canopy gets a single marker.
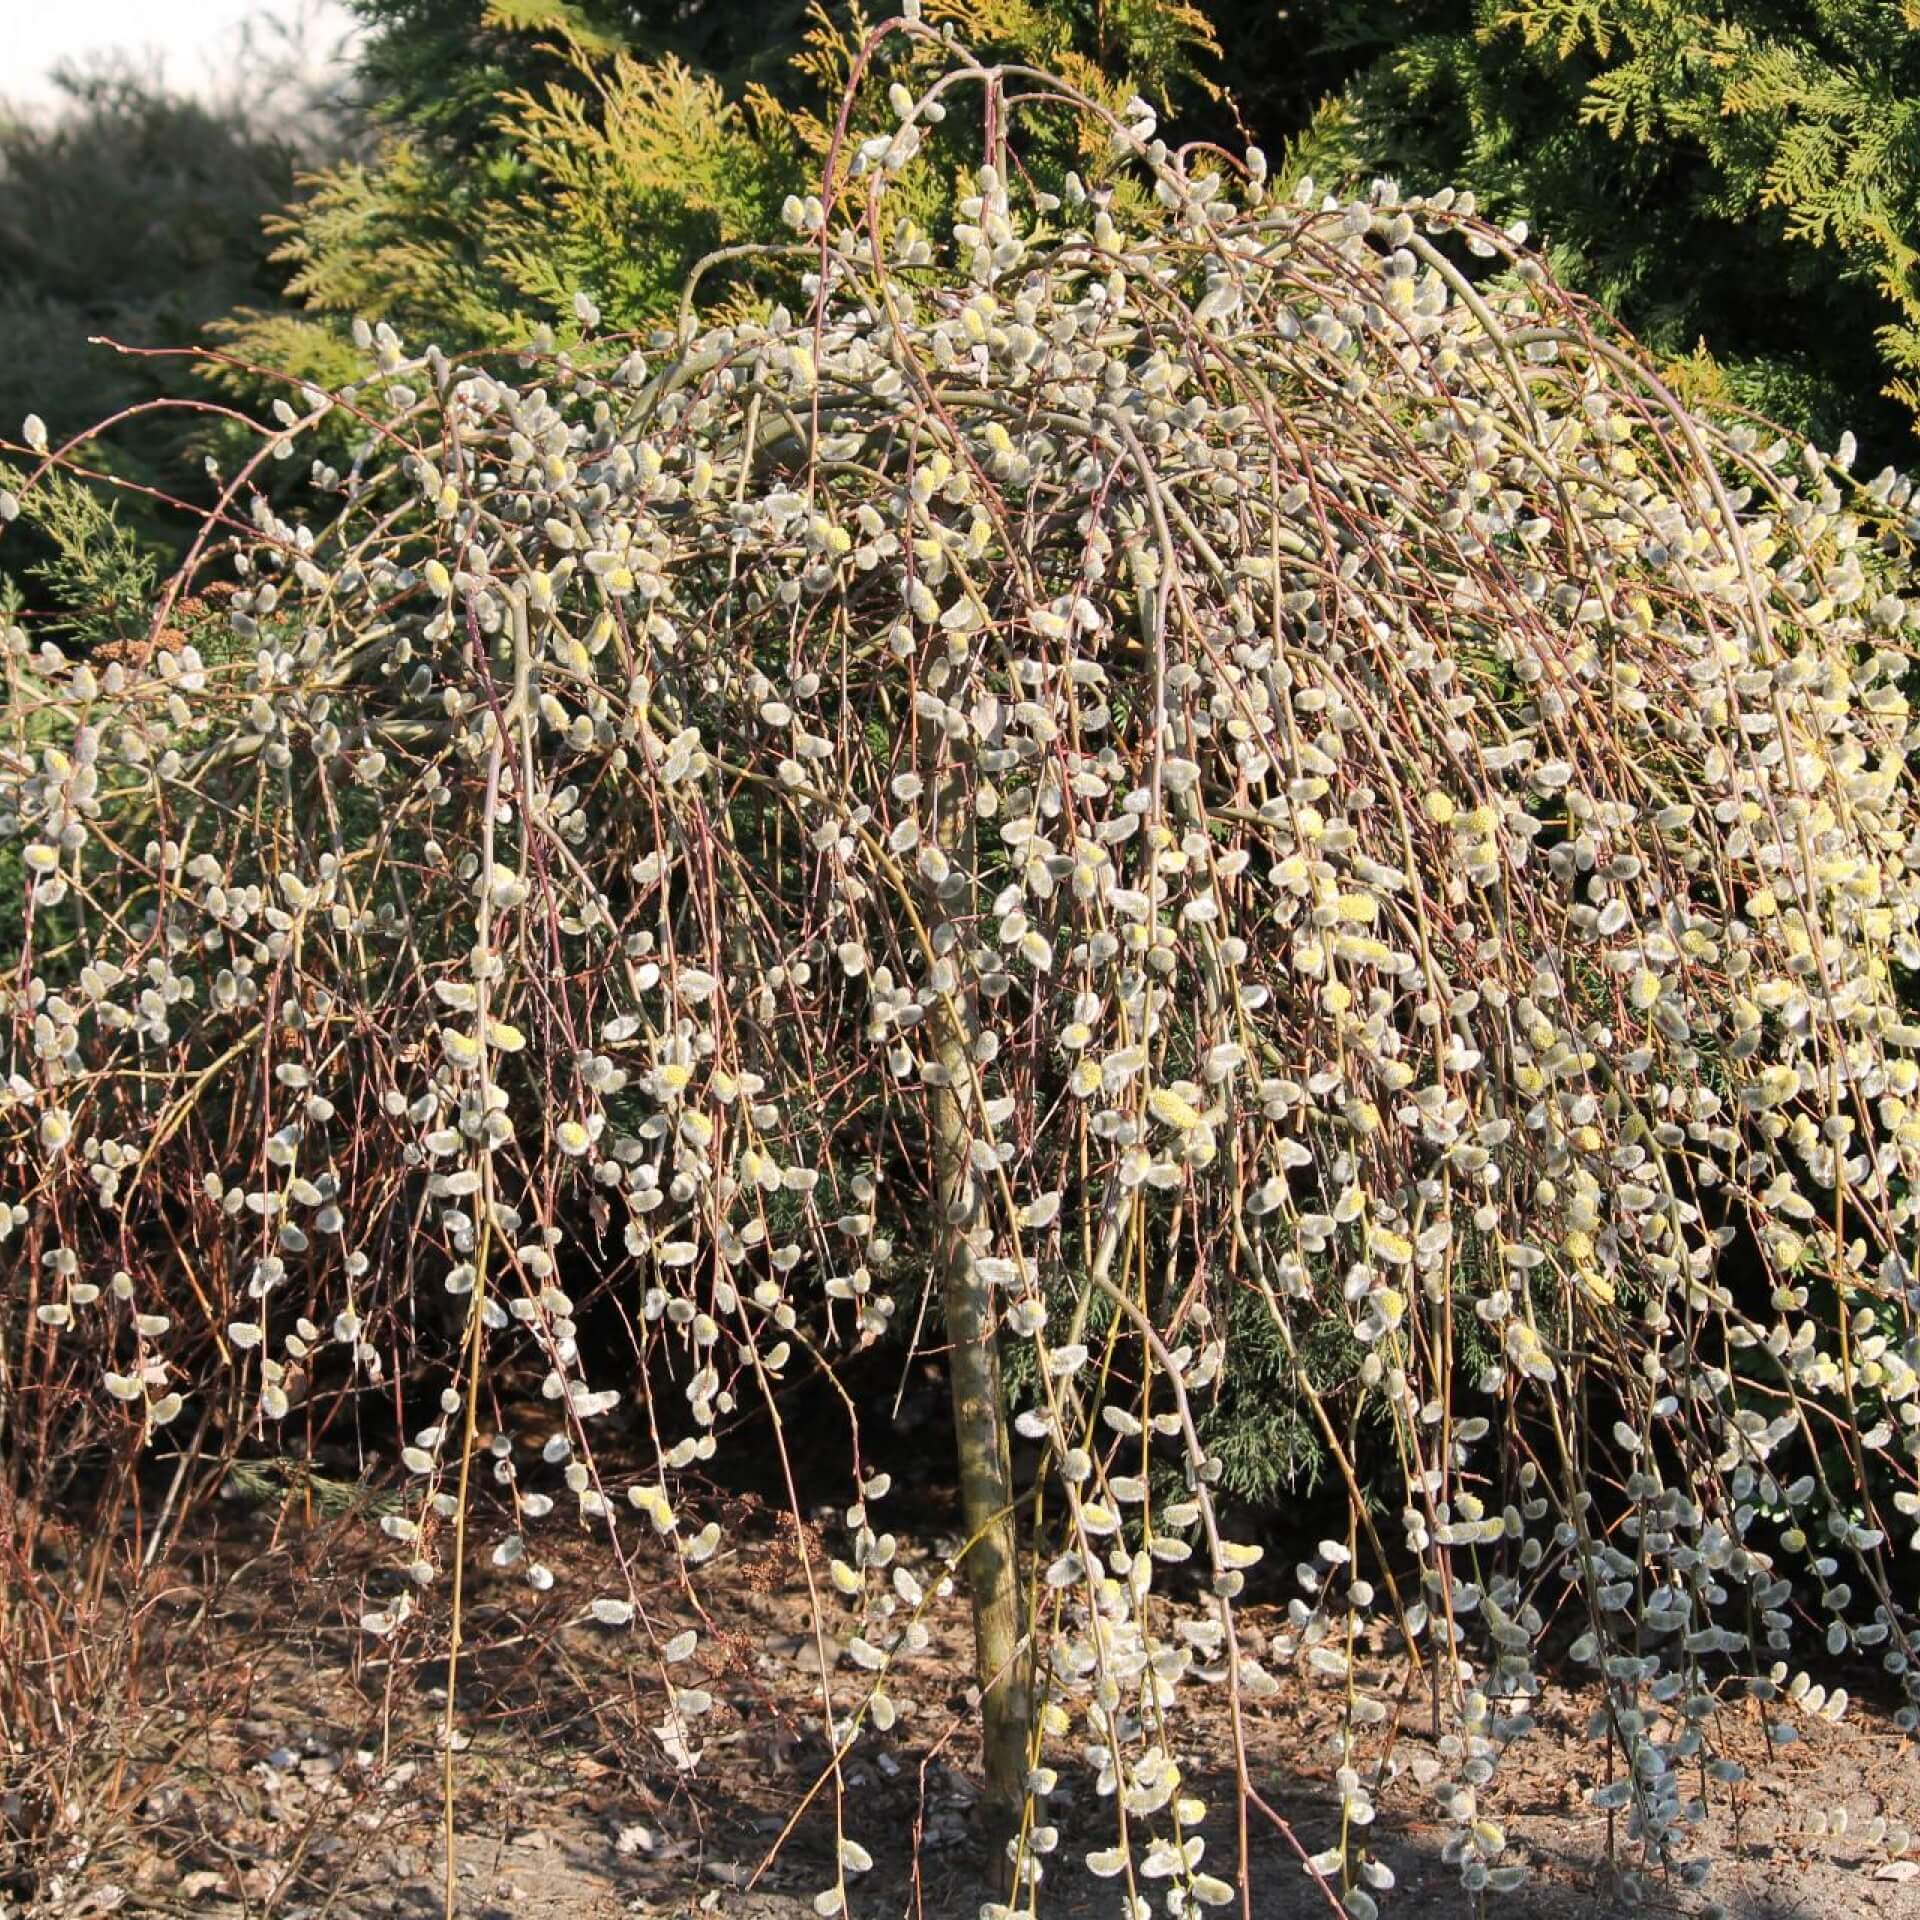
(1096, 775)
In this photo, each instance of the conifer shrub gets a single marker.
(1132, 778)
(1733, 178)
(532, 147)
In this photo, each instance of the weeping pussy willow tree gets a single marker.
(1093, 774)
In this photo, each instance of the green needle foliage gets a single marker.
(583, 144)
(1738, 179)
(1739, 182)
(440, 68)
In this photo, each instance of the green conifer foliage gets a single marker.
(585, 145)
(1738, 179)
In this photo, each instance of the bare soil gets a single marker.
(283, 1764)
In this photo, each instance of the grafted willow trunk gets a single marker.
(992, 1563)
(986, 1510)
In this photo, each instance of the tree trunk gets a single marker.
(1001, 1652)
(986, 1500)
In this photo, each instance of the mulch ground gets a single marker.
(279, 1762)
